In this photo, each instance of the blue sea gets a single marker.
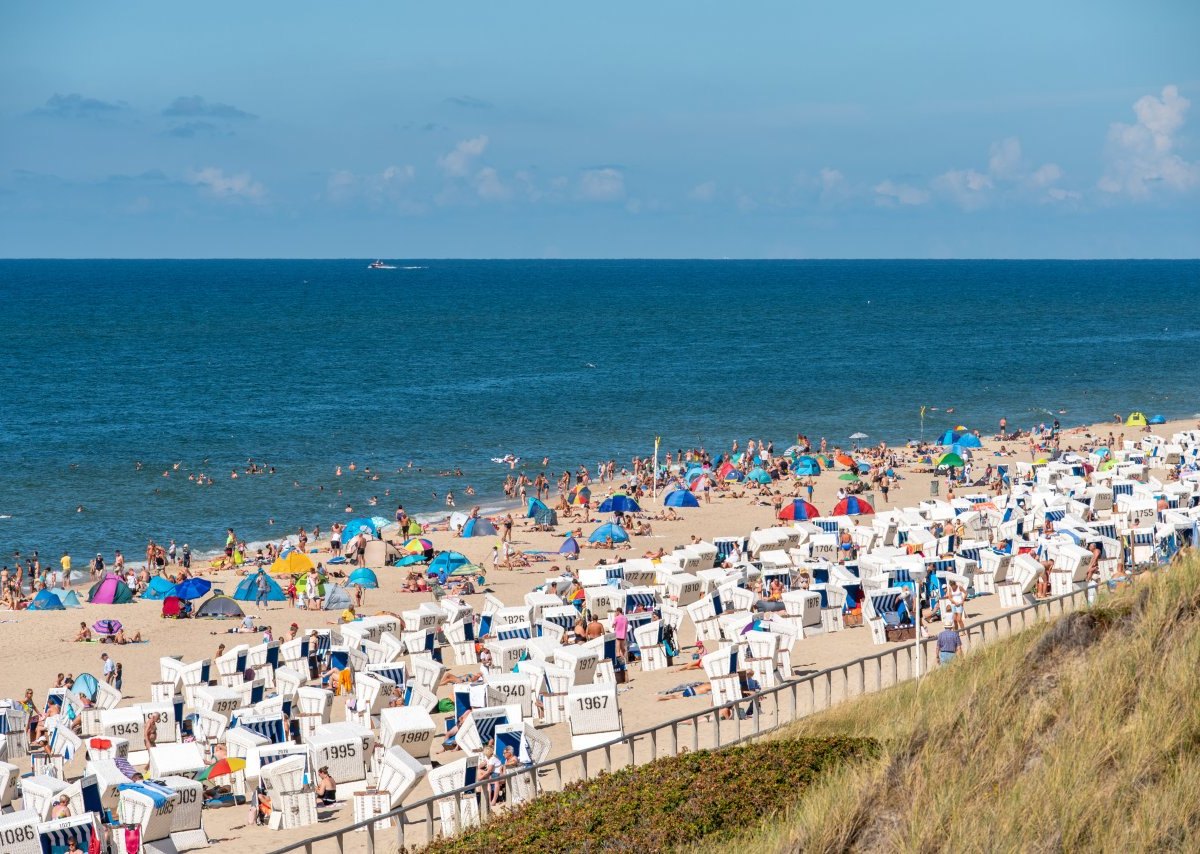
(310, 365)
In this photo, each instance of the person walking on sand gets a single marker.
(264, 590)
(949, 644)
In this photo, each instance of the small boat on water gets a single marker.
(379, 265)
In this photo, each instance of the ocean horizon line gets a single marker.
(593, 260)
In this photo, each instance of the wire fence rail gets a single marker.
(446, 813)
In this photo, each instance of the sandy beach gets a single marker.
(38, 646)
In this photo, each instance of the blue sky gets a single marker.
(549, 129)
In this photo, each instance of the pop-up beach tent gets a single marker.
(110, 590)
(67, 597)
(1136, 419)
(336, 598)
(219, 607)
(479, 527)
(158, 589)
(608, 529)
(247, 590)
(46, 601)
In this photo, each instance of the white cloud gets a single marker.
(889, 194)
(239, 187)
(966, 187)
(602, 185)
(1004, 158)
(1140, 156)
(457, 163)
(489, 186)
(344, 186)
(703, 192)
(1045, 175)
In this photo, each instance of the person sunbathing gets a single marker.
(688, 689)
(655, 554)
(84, 633)
(643, 529)
(121, 638)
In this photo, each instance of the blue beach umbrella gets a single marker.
(355, 526)
(192, 588)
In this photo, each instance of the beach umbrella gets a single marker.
(864, 468)
(701, 483)
(680, 498)
(364, 577)
(852, 505)
(579, 495)
(619, 503)
(192, 588)
(759, 475)
(417, 545)
(845, 460)
(799, 510)
(947, 438)
(848, 476)
(859, 436)
(570, 546)
(106, 627)
(968, 440)
(950, 460)
(222, 768)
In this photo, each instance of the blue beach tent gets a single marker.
(680, 498)
(968, 440)
(354, 528)
(618, 534)
(159, 588)
(570, 546)
(619, 503)
(479, 527)
(46, 601)
(247, 590)
(445, 563)
(67, 597)
(365, 578)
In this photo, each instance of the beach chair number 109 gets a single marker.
(338, 751)
(592, 704)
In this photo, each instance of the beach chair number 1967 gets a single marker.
(593, 703)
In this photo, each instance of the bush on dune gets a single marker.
(666, 803)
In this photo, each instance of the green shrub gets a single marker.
(667, 803)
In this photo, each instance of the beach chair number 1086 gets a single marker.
(18, 834)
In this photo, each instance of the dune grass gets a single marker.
(1077, 735)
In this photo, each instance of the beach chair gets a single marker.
(459, 813)
(1023, 573)
(315, 701)
(55, 835)
(150, 807)
(593, 715)
(407, 727)
(397, 773)
(9, 774)
(347, 750)
(880, 611)
(187, 820)
(513, 689)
